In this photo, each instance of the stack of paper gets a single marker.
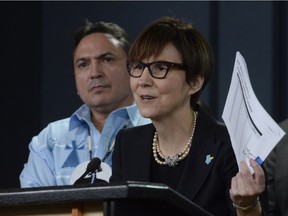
(252, 130)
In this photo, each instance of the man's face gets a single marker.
(100, 72)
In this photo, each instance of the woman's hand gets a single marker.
(246, 188)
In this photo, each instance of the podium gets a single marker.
(107, 199)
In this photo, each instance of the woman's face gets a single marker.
(161, 98)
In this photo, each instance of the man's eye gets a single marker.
(82, 65)
(107, 59)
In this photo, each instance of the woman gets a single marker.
(184, 147)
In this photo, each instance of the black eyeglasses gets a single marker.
(158, 69)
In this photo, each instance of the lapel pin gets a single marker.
(209, 158)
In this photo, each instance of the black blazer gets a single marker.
(276, 165)
(206, 184)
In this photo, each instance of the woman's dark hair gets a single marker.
(194, 49)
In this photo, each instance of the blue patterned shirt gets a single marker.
(62, 145)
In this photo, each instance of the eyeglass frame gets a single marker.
(168, 63)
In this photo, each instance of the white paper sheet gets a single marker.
(252, 131)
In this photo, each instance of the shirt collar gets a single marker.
(82, 115)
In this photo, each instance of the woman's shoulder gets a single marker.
(207, 120)
(139, 129)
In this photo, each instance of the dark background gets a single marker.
(37, 82)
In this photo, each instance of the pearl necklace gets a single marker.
(172, 161)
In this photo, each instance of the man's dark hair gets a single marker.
(105, 28)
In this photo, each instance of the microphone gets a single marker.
(92, 167)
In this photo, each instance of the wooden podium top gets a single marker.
(98, 192)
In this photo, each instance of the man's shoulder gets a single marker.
(284, 125)
(56, 127)
(282, 145)
(59, 123)
(135, 116)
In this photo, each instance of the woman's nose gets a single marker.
(146, 78)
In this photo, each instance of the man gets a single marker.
(102, 82)
(277, 174)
